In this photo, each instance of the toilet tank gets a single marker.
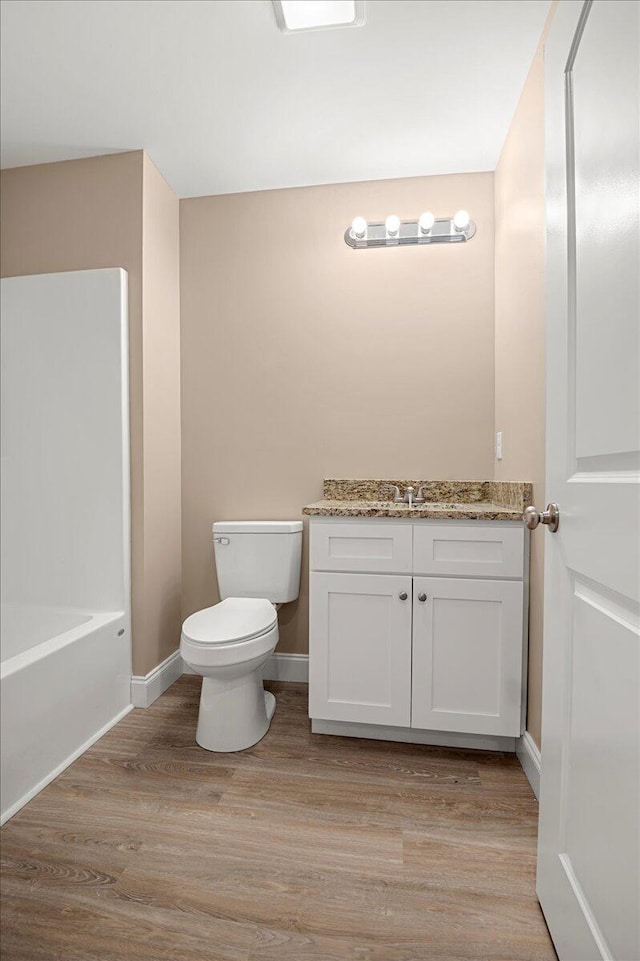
(258, 559)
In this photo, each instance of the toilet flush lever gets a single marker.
(222, 541)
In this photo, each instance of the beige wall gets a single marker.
(519, 334)
(161, 440)
(83, 214)
(303, 359)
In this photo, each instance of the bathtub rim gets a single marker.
(104, 627)
(45, 648)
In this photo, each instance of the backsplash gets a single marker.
(513, 494)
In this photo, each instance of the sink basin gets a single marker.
(430, 505)
(443, 506)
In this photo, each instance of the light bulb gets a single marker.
(392, 225)
(461, 220)
(359, 227)
(426, 222)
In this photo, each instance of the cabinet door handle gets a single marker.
(422, 597)
(403, 595)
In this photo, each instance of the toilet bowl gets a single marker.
(258, 566)
(228, 644)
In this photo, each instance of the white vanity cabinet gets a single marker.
(418, 626)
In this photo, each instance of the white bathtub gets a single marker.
(65, 585)
(65, 679)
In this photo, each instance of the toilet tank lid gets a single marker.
(257, 527)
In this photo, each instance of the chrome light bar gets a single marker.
(394, 233)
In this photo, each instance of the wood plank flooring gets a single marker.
(303, 848)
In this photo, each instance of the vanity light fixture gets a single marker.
(294, 15)
(394, 232)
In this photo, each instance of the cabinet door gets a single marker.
(360, 648)
(470, 550)
(377, 547)
(467, 655)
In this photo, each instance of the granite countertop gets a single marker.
(467, 500)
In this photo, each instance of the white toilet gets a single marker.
(258, 566)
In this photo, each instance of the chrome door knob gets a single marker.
(551, 517)
(422, 597)
(403, 595)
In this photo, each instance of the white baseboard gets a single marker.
(529, 756)
(281, 667)
(52, 775)
(146, 689)
(381, 732)
(287, 667)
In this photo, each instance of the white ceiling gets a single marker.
(224, 102)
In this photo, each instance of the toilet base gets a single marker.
(269, 704)
(234, 713)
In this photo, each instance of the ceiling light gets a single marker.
(317, 14)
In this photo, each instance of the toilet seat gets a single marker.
(229, 635)
(234, 620)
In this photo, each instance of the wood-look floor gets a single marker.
(303, 848)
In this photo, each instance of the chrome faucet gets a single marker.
(397, 496)
(410, 497)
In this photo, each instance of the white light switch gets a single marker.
(499, 445)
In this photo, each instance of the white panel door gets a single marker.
(360, 648)
(467, 655)
(589, 805)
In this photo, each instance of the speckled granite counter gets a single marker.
(468, 500)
